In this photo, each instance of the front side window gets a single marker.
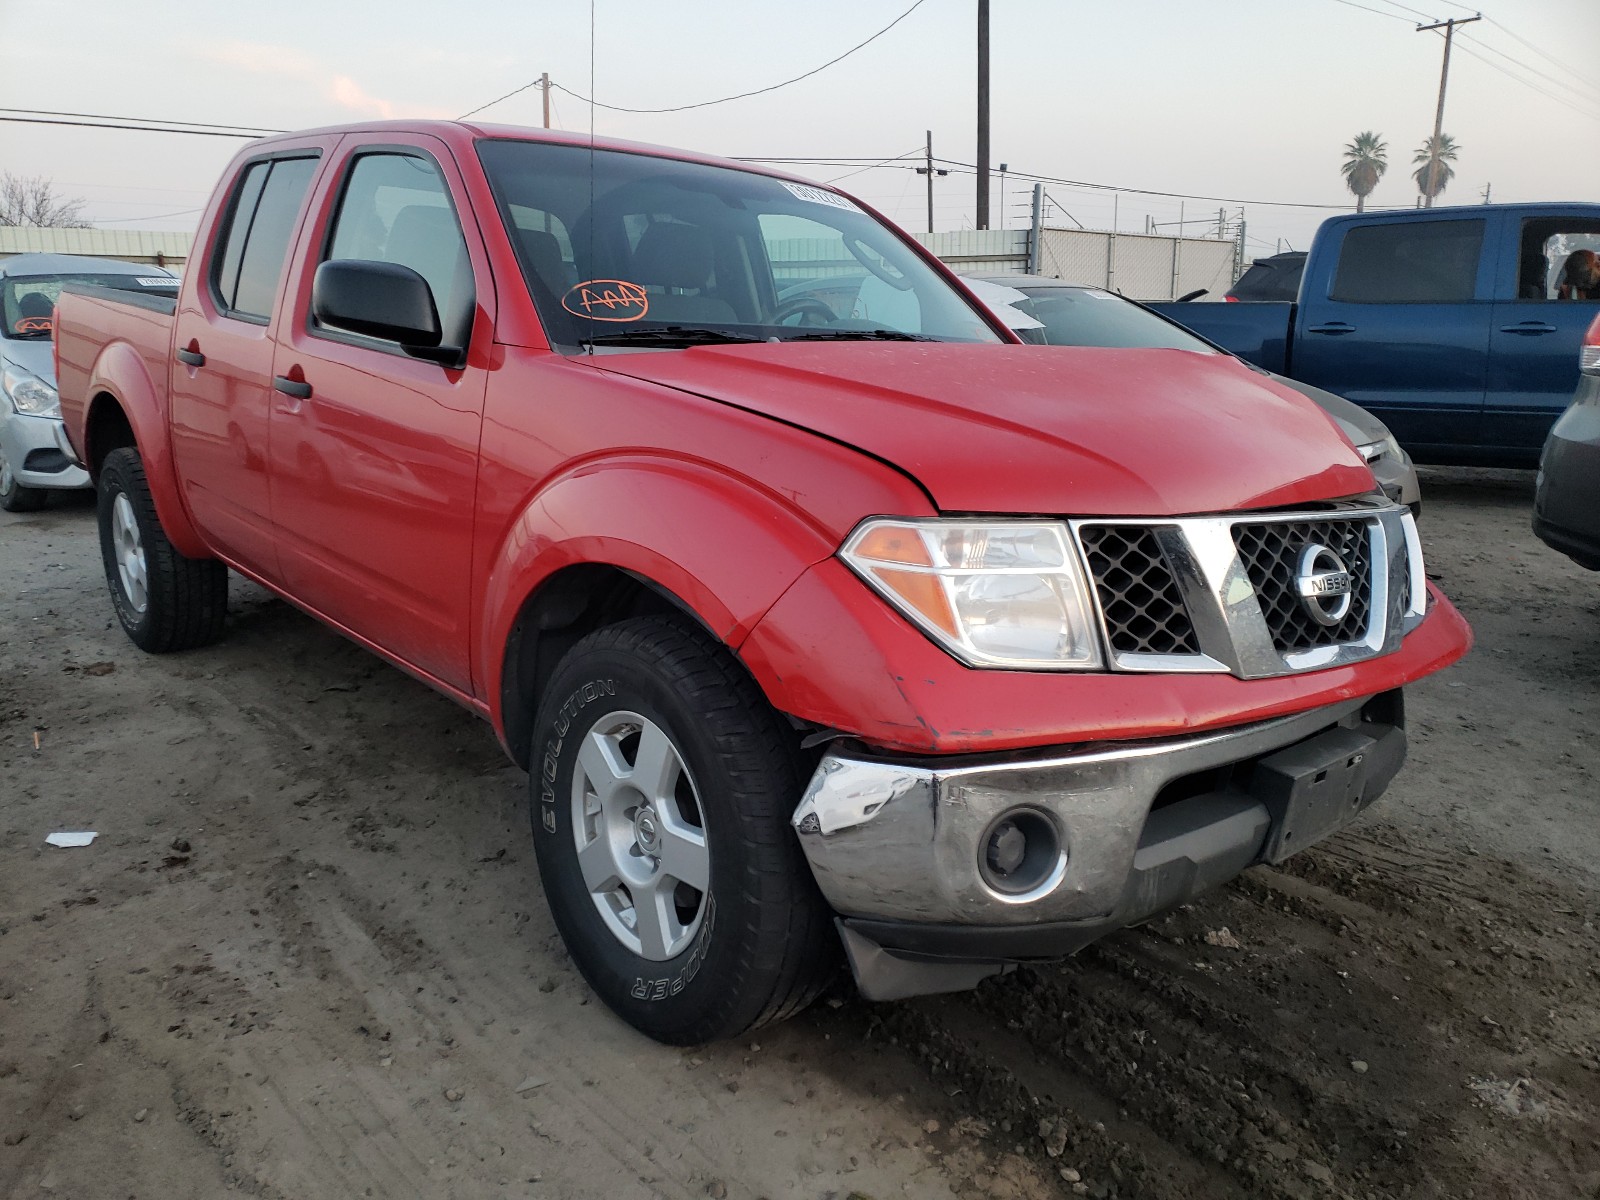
(1409, 262)
(396, 209)
(629, 249)
(266, 212)
(1559, 259)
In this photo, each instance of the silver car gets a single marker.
(1566, 505)
(1052, 312)
(34, 456)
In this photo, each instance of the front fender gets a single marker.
(721, 545)
(120, 378)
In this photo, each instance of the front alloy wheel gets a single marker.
(640, 836)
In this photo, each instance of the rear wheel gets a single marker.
(164, 600)
(13, 496)
(662, 785)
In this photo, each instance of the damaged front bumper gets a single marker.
(945, 871)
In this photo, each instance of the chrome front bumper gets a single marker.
(895, 845)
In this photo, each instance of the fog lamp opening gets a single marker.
(1020, 852)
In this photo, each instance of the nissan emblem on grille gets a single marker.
(1323, 583)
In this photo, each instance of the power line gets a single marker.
(1542, 54)
(870, 166)
(1111, 187)
(1527, 83)
(157, 217)
(1416, 12)
(1577, 90)
(151, 128)
(41, 112)
(514, 92)
(1380, 12)
(742, 95)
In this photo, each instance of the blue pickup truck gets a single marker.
(1459, 328)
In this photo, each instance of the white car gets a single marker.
(34, 456)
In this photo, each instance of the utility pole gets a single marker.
(1449, 28)
(1487, 188)
(544, 86)
(930, 172)
(1036, 234)
(983, 114)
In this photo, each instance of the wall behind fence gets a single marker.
(1143, 266)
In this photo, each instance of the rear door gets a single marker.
(375, 460)
(222, 366)
(1397, 319)
(1540, 314)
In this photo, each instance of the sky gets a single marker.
(1236, 102)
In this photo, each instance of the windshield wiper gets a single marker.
(670, 335)
(861, 335)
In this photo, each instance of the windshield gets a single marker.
(629, 250)
(1082, 316)
(29, 301)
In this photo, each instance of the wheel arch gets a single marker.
(629, 539)
(570, 604)
(127, 408)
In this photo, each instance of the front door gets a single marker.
(1545, 301)
(375, 453)
(1402, 328)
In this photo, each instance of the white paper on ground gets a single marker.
(69, 840)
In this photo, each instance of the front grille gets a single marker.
(1139, 595)
(1270, 553)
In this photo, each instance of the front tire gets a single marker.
(661, 789)
(164, 600)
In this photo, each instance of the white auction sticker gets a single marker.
(818, 195)
(155, 281)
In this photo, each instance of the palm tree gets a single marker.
(1365, 161)
(1433, 166)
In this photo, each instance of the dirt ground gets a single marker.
(308, 956)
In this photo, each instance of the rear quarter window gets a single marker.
(1412, 262)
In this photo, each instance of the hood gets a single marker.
(1073, 431)
(33, 356)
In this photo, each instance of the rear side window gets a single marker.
(256, 245)
(1412, 262)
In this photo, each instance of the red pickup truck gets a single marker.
(816, 624)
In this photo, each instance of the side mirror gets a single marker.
(379, 299)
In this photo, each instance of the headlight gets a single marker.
(1385, 447)
(995, 594)
(30, 394)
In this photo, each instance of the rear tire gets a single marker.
(661, 789)
(13, 496)
(164, 600)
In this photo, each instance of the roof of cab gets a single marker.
(457, 132)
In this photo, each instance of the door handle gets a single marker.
(1333, 327)
(297, 388)
(191, 358)
(1527, 328)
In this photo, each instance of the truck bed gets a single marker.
(94, 323)
(1256, 330)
